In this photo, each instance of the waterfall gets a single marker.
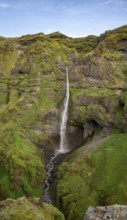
(64, 117)
(63, 145)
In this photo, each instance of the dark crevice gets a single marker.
(121, 103)
(123, 51)
(90, 128)
(8, 94)
(124, 40)
(21, 71)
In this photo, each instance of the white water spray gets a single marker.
(64, 118)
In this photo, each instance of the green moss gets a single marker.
(22, 166)
(97, 178)
(114, 55)
(84, 45)
(120, 115)
(28, 209)
(92, 111)
(91, 92)
(5, 184)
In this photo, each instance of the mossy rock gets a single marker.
(28, 209)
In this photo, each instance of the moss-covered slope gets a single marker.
(93, 177)
(21, 169)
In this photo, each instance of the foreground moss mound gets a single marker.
(28, 209)
(93, 178)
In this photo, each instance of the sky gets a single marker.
(74, 18)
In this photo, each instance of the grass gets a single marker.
(97, 178)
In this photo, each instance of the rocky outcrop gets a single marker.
(113, 212)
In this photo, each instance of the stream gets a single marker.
(49, 186)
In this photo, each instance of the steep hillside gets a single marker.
(32, 90)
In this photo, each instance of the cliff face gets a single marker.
(32, 90)
(32, 80)
(99, 83)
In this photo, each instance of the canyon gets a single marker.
(33, 88)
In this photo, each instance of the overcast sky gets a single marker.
(72, 17)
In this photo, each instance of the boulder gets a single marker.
(112, 212)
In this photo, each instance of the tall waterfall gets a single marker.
(64, 118)
(63, 145)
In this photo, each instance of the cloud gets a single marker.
(4, 5)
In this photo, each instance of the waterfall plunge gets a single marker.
(63, 144)
(64, 117)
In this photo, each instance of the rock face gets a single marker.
(113, 212)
